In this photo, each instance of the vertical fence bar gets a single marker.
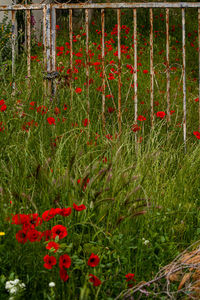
(87, 59)
(168, 71)
(103, 65)
(199, 60)
(28, 31)
(53, 47)
(119, 68)
(135, 62)
(13, 51)
(45, 47)
(151, 66)
(71, 57)
(25, 29)
(184, 78)
(48, 48)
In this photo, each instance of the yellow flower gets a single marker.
(2, 233)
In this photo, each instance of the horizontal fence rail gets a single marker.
(49, 49)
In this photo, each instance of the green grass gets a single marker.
(147, 188)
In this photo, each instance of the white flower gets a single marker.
(145, 242)
(13, 290)
(16, 281)
(22, 285)
(52, 284)
(8, 285)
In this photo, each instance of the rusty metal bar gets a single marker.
(87, 59)
(53, 47)
(71, 56)
(199, 60)
(103, 66)
(167, 61)
(48, 48)
(104, 5)
(119, 68)
(135, 62)
(28, 26)
(13, 52)
(45, 47)
(184, 78)
(151, 67)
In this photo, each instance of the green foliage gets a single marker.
(141, 190)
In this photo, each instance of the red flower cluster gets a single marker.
(141, 118)
(3, 106)
(197, 134)
(51, 121)
(160, 114)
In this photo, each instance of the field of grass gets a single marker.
(130, 200)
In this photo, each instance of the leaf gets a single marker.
(57, 239)
(185, 278)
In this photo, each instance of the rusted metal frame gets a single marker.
(135, 62)
(87, 60)
(121, 5)
(119, 68)
(48, 47)
(71, 56)
(45, 47)
(184, 78)
(103, 65)
(151, 67)
(28, 26)
(168, 70)
(13, 51)
(199, 59)
(53, 47)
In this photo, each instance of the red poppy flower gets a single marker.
(42, 109)
(21, 236)
(59, 230)
(2, 102)
(53, 245)
(197, 134)
(51, 120)
(33, 235)
(20, 219)
(63, 274)
(65, 212)
(78, 90)
(111, 109)
(196, 100)
(160, 114)
(46, 234)
(48, 214)
(65, 261)
(86, 122)
(3, 107)
(145, 71)
(129, 276)
(135, 128)
(95, 280)
(56, 110)
(141, 118)
(93, 260)
(79, 207)
(50, 261)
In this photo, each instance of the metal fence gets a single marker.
(49, 47)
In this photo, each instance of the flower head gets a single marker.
(95, 280)
(93, 260)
